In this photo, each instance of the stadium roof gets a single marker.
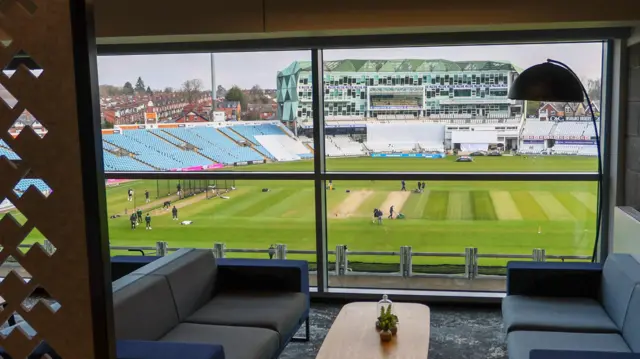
(406, 65)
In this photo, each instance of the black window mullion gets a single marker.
(319, 169)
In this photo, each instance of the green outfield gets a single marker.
(496, 217)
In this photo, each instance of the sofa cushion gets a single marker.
(520, 343)
(620, 274)
(631, 327)
(238, 342)
(144, 309)
(192, 280)
(555, 314)
(271, 310)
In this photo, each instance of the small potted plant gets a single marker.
(393, 319)
(387, 315)
(385, 330)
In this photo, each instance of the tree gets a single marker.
(149, 92)
(128, 88)
(256, 91)
(221, 91)
(192, 89)
(532, 108)
(236, 94)
(594, 89)
(140, 87)
(107, 125)
(168, 90)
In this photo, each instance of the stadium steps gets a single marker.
(309, 147)
(172, 144)
(120, 148)
(146, 164)
(205, 156)
(251, 144)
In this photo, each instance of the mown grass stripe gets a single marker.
(589, 200)
(577, 209)
(266, 201)
(436, 206)
(551, 206)
(482, 206)
(414, 206)
(457, 202)
(528, 206)
(504, 206)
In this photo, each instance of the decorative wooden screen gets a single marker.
(39, 33)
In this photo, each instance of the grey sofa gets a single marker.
(573, 310)
(251, 308)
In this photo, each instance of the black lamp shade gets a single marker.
(547, 82)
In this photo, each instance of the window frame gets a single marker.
(613, 71)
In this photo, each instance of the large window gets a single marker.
(250, 155)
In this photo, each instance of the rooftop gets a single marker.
(404, 65)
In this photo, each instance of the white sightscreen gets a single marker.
(468, 137)
(405, 133)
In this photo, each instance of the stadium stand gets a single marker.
(24, 184)
(251, 131)
(123, 163)
(215, 145)
(570, 129)
(538, 128)
(181, 158)
(5, 151)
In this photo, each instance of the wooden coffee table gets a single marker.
(353, 334)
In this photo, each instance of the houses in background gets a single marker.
(555, 111)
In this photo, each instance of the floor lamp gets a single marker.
(554, 81)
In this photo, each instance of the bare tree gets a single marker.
(594, 89)
(192, 89)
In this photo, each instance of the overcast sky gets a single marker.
(249, 68)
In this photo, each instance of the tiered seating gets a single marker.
(348, 146)
(177, 158)
(251, 131)
(7, 152)
(168, 138)
(570, 129)
(227, 131)
(24, 184)
(124, 163)
(146, 154)
(537, 128)
(214, 145)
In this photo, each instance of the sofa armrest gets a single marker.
(263, 274)
(554, 279)
(576, 354)
(123, 265)
(141, 349)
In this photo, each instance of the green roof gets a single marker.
(406, 65)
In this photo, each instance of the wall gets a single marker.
(632, 175)
(139, 21)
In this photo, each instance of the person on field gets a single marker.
(390, 212)
(419, 186)
(404, 188)
(146, 196)
(130, 195)
(380, 214)
(178, 187)
(375, 215)
(147, 219)
(272, 251)
(424, 186)
(166, 205)
(139, 215)
(174, 212)
(134, 220)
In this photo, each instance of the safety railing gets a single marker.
(342, 253)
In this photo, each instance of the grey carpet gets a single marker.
(456, 333)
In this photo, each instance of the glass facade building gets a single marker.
(416, 88)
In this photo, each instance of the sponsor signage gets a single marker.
(420, 155)
(575, 142)
(241, 163)
(533, 142)
(417, 108)
(338, 126)
(572, 118)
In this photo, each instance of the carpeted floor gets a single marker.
(456, 333)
